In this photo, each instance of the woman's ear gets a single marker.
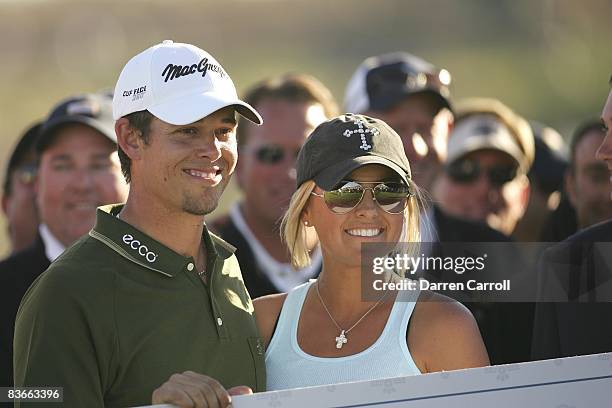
(129, 139)
(305, 217)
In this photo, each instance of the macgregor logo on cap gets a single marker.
(176, 71)
(362, 130)
(142, 249)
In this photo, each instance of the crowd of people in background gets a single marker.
(487, 173)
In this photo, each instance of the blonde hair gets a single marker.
(293, 231)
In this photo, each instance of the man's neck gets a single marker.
(267, 233)
(178, 230)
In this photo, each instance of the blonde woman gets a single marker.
(354, 187)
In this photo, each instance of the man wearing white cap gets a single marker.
(489, 154)
(150, 293)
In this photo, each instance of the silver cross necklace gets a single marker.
(341, 339)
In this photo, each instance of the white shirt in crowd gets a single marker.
(282, 275)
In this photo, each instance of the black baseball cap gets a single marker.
(382, 81)
(23, 154)
(550, 161)
(342, 144)
(93, 110)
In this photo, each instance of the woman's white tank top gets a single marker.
(288, 366)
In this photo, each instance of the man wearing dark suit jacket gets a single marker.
(574, 315)
(292, 106)
(78, 171)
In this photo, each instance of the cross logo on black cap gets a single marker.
(362, 130)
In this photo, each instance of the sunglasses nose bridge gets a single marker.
(483, 183)
(368, 203)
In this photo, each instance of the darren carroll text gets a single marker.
(424, 284)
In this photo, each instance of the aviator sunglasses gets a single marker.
(467, 171)
(392, 197)
(272, 154)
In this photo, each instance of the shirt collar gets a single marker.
(53, 248)
(282, 275)
(145, 251)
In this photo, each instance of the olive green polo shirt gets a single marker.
(118, 313)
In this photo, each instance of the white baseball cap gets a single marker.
(482, 132)
(178, 83)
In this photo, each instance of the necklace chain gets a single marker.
(343, 331)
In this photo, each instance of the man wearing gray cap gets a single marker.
(149, 293)
(78, 171)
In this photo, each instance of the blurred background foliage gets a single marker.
(550, 60)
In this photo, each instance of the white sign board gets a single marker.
(573, 382)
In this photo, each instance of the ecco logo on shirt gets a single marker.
(140, 248)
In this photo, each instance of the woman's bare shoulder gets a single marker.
(443, 310)
(445, 334)
(269, 304)
(267, 311)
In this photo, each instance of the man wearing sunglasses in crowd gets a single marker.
(490, 151)
(412, 96)
(292, 106)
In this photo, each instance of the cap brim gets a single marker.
(392, 98)
(477, 142)
(331, 176)
(191, 108)
(44, 136)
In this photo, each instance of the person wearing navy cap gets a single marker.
(78, 170)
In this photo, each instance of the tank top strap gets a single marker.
(408, 299)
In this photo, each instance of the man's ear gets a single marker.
(129, 139)
(450, 121)
(239, 172)
(525, 194)
(4, 203)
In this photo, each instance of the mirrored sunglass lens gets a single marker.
(270, 154)
(464, 171)
(392, 197)
(501, 175)
(343, 200)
